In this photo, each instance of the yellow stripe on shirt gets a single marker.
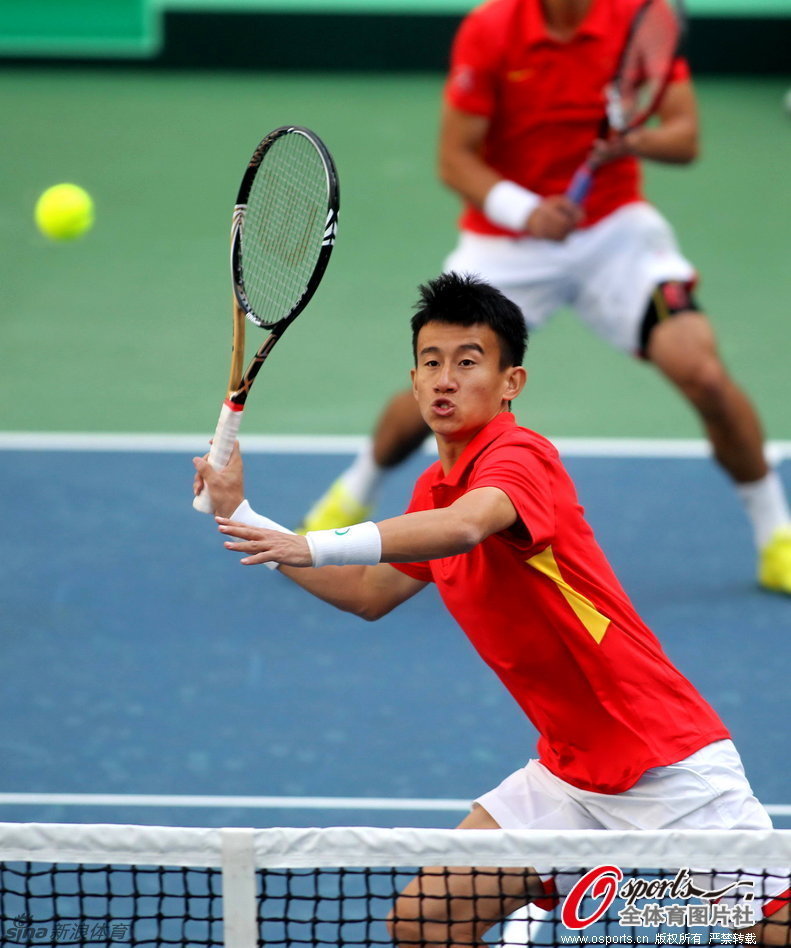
(595, 623)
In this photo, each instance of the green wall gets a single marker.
(749, 34)
(79, 27)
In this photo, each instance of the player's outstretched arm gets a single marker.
(368, 591)
(412, 537)
(364, 585)
(447, 531)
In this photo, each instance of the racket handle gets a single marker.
(221, 447)
(577, 191)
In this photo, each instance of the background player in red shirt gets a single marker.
(496, 525)
(522, 103)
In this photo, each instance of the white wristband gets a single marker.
(509, 205)
(245, 514)
(361, 544)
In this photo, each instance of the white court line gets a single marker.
(257, 803)
(346, 444)
(174, 443)
(224, 802)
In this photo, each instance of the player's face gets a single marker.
(458, 382)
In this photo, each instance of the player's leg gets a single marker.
(707, 791)
(684, 349)
(774, 930)
(458, 906)
(636, 294)
(438, 907)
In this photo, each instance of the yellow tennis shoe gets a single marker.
(336, 508)
(774, 562)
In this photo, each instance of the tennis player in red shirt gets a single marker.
(626, 742)
(523, 101)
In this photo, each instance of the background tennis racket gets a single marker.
(644, 69)
(284, 226)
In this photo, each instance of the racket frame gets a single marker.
(613, 118)
(240, 381)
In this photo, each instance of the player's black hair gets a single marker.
(464, 300)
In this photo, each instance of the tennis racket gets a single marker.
(644, 68)
(283, 231)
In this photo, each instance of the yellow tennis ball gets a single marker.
(64, 211)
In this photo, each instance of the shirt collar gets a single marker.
(500, 423)
(595, 23)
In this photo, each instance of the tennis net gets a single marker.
(73, 884)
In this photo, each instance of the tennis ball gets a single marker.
(64, 211)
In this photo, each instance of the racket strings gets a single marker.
(647, 61)
(284, 227)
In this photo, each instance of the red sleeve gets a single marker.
(525, 477)
(680, 70)
(421, 571)
(471, 84)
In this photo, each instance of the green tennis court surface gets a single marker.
(128, 329)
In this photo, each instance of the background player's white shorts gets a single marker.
(707, 790)
(606, 272)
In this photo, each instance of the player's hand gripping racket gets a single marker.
(644, 69)
(284, 226)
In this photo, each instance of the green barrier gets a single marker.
(695, 7)
(136, 28)
(79, 28)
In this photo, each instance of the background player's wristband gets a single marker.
(360, 544)
(509, 205)
(245, 514)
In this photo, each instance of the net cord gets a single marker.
(375, 847)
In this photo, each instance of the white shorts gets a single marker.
(708, 790)
(606, 272)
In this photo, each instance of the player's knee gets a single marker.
(775, 929)
(399, 921)
(409, 926)
(768, 935)
(406, 930)
(705, 383)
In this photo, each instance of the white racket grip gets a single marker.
(221, 447)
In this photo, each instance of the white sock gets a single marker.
(362, 479)
(766, 506)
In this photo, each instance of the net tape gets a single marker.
(69, 884)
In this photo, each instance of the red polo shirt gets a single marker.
(544, 609)
(544, 98)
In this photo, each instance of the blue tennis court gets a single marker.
(141, 659)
